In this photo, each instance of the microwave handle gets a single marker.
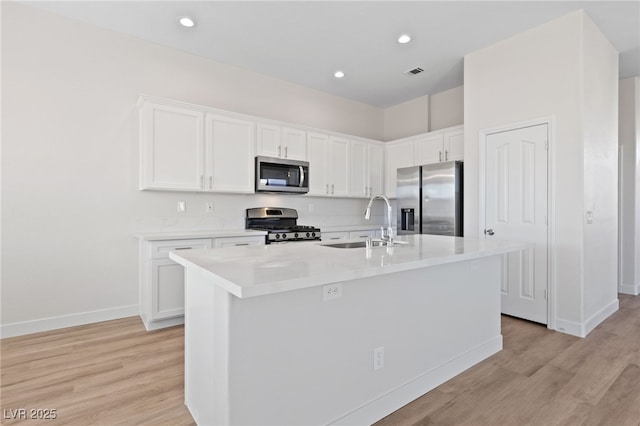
(301, 176)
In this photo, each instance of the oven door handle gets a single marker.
(301, 176)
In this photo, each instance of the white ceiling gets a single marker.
(305, 42)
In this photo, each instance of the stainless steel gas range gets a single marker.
(280, 224)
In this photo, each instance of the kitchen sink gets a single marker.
(361, 244)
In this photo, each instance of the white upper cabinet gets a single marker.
(437, 147)
(366, 171)
(397, 155)
(281, 142)
(171, 147)
(229, 154)
(428, 148)
(328, 165)
(454, 144)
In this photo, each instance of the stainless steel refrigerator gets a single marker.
(430, 199)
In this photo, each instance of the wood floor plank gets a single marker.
(117, 373)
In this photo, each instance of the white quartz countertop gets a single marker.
(250, 271)
(206, 233)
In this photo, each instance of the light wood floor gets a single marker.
(117, 373)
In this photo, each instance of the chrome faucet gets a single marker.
(387, 236)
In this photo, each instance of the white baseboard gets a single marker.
(633, 290)
(402, 395)
(54, 323)
(600, 316)
(583, 329)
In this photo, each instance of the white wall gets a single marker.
(446, 109)
(535, 74)
(629, 157)
(600, 140)
(407, 119)
(70, 203)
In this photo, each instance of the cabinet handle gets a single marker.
(370, 191)
(183, 248)
(439, 155)
(242, 244)
(210, 182)
(286, 149)
(279, 150)
(201, 181)
(327, 189)
(334, 238)
(332, 189)
(446, 155)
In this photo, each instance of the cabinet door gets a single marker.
(429, 149)
(338, 166)
(375, 163)
(454, 145)
(317, 145)
(230, 154)
(167, 289)
(268, 140)
(359, 171)
(171, 148)
(294, 142)
(398, 155)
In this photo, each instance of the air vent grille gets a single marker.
(414, 71)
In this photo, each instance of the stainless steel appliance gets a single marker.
(281, 175)
(280, 224)
(430, 199)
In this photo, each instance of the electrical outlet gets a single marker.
(332, 291)
(475, 265)
(378, 358)
(182, 206)
(208, 207)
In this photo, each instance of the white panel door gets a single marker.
(516, 209)
(167, 291)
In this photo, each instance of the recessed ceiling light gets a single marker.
(338, 74)
(404, 39)
(187, 22)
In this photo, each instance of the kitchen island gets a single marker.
(305, 333)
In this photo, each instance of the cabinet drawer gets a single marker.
(238, 241)
(335, 236)
(363, 235)
(161, 249)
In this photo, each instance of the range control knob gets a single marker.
(308, 235)
(277, 236)
(295, 235)
(313, 234)
(284, 236)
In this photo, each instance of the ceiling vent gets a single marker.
(414, 71)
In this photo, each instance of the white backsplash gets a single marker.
(157, 210)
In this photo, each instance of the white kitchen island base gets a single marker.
(293, 358)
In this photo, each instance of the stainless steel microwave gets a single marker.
(281, 175)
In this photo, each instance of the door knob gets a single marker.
(488, 232)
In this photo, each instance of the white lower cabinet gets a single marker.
(162, 280)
